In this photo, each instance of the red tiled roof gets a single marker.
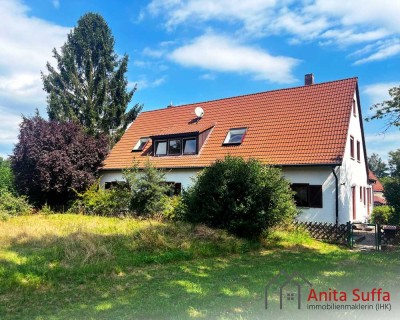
(297, 126)
(379, 200)
(191, 127)
(377, 186)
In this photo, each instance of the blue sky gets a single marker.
(184, 51)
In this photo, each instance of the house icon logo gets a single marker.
(284, 281)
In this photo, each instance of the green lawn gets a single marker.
(77, 267)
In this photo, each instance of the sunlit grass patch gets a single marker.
(79, 267)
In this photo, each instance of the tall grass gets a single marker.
(57, 244)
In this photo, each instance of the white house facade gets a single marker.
(318, 142)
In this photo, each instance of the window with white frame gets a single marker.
(235, 136)
(141, 144)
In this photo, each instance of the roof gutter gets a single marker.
(337, 195)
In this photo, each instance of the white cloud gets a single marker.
(219, 53)
(382, 52)
(329, 22)
(26, 44)
(153, 53)
(144, 83)
(382, 143)
(177, 12)
(9, 127)
(379, 92)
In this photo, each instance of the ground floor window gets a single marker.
(175, 188)
(116, 185)
(307, 195)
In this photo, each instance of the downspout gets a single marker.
(337, 195)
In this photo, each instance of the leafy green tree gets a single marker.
(6, 177)
(378, 167)
(389, 109)
(88, 85)
(394, 163)
(392, 186)
(243, 197)
(148, 189)
(392, 195)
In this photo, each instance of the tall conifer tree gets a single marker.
(88, 85)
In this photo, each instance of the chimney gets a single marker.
(308, 79)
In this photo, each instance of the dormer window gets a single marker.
(189, 146)
(174, 147)
(141, 144)
(161, 148)
(235, 136)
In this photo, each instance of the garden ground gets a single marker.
(80, 267)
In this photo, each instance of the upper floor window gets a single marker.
(189, 146)
(351, 147)
(358, 151)
(175, 146)
(160, 148)
(141, 144)
(354, 106)
(235, 136)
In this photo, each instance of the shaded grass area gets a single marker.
(77, 267)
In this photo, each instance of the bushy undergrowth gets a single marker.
(382, 214)
(98, 201)
(147, 190)
(11, 205)
(243, 197)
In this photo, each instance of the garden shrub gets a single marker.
(102, 202)
(243, 197)
(382, 215)
(6, 177)
(171, 206)
(11, 205)
(148, 189)
(392, 195)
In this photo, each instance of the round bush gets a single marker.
(243, 197)
(381, 214)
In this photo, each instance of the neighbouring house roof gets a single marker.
(305, 125)
(379, 200)
(377, 185)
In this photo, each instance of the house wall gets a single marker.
(353, 173)
(316, 176)
(312, 175)
(183, 176)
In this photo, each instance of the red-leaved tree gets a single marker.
(53, 158)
